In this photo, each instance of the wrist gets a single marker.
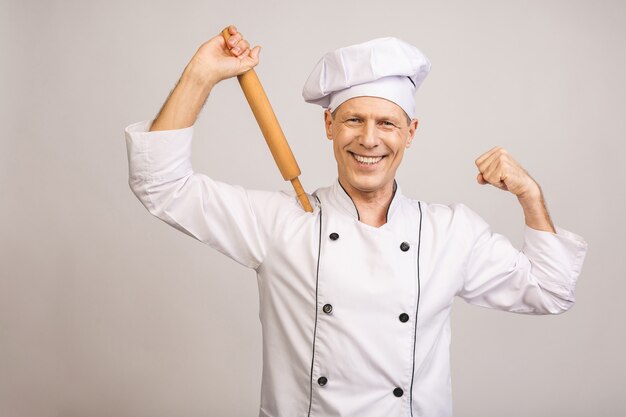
(196, 75)
(532, 206)
(531, 197)
(535, 211)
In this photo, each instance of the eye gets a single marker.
(387, 123)
(353, 120)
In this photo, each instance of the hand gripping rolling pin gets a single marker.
(274, 136)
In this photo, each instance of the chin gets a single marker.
(367, 184)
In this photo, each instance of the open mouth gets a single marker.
(367, 160)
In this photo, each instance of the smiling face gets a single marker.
(369, 137)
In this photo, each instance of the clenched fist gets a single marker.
(498, 168)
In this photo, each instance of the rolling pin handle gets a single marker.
(304, 199)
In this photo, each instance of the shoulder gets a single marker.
(439, 210)
(280, 205)
(456, 216)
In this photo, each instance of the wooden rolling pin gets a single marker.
(274, 136)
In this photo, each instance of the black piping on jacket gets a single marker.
(317, 274)
(417, 307)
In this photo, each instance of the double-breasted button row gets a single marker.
(322, 381)
(328, 308)
(404, 317)
(404, 246)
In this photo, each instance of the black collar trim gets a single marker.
(358, 216)
(395, 187)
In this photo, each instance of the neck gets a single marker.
(371, 205)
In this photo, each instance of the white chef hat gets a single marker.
(386, 67)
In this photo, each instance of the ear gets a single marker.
(412, 129)
(328, 124)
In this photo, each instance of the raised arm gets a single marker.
(213, 62)
(229, 218)
(541, 278)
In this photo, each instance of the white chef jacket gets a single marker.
(355, 319)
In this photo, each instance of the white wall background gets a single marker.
(105, 311)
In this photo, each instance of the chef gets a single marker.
(355, 297)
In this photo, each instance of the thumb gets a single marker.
(481, 179)
(249, 59)
(254, 53)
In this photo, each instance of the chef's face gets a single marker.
(369, 137)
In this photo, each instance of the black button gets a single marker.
(404, 246)
(322, 380)
(327, 308)
(404, 317)
(398, 392)
(334, 236)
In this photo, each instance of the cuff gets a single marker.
(160, 155)
(558, 256)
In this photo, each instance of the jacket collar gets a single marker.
(342, 199)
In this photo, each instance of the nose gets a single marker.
(369, 136)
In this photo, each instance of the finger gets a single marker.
(486, 155)
(492, 172)
(500, 155)
(481, 179)
(232, 41)
(230, 35)
(491, 159)
(232, 29)
(244, 45)
(241, 47)
(250, 57)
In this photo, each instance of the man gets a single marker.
(355, 297)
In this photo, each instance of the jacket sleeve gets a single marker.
(221, 215)
(539, 279)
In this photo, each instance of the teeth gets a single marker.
(367, 159)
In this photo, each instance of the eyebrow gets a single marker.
(391, 118)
